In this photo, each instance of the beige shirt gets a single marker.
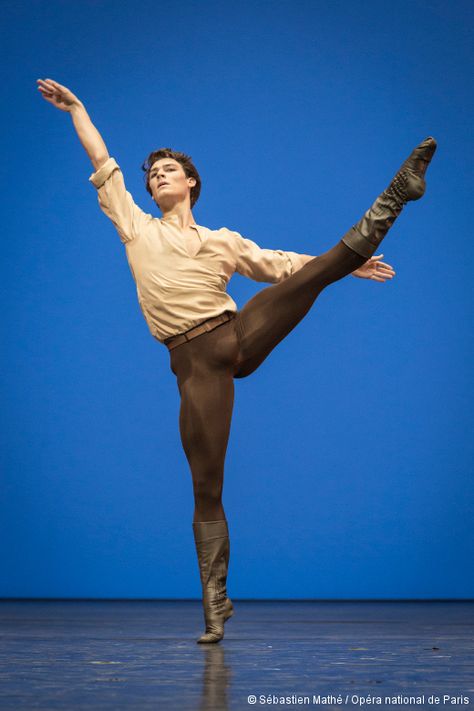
(177, 290)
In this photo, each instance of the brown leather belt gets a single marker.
(203, 327)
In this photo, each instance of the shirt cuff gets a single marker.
(290, 264)
(299, 260)
(100, 176)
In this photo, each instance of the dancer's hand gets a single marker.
(62, 98)
(57, 94)
(375, 270)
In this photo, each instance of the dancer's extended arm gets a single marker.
(274, 265)
(62, 98)
(114, 200)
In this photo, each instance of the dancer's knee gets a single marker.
(207, 493)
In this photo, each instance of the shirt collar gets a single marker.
(174, 218)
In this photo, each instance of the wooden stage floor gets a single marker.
(114, 654)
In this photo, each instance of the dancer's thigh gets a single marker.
(272, 313)
(204, 369)
(204, 422)
(269, 316)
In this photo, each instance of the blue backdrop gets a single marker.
(349, 470)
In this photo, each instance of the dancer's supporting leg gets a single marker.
(204, 368)
(270, 315)
(204, 422)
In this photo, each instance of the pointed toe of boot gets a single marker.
(424, 152)
(429, 144)
(209, 638)
(414, 168)
(215, 628)
(214, 632)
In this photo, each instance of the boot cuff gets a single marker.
(207, 530)
(359, 244)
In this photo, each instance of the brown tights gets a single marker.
(205, 367)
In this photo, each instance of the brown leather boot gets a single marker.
(213, 549)
(408, 184)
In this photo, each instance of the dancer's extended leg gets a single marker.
(270, 315)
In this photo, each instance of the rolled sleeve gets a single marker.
(117, 203)
(100, 176)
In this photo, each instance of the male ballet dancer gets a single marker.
(181, 270)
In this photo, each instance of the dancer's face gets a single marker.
(168, 182)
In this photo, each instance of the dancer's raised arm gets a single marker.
(62, 98)
(114, 200)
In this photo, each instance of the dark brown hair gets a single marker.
(188, 167)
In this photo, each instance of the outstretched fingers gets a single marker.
(56, 85)
(382, 269)
(46, 89)
(385, 270)
(50, 87)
